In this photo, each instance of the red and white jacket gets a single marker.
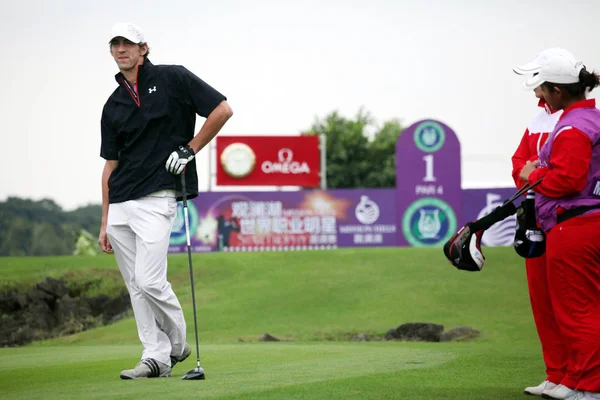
(533, 139)
(570, 159)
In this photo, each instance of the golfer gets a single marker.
(568, 210)
(147, 138)
(553, 348)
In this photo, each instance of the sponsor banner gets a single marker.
(268, 161)
(280, 221)
(428, 184)
(477, 203)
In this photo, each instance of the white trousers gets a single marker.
(139, 232)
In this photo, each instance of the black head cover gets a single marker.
(530, 241)
(463, 250)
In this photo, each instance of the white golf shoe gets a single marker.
(577, 396)
(147, 368)
(187, 350)
(539, 389)
(560, 392)
(587, 396)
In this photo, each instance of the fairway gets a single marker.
(315, 302)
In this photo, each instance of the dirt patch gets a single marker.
(408, 332)
(429, 332)
(59, 307)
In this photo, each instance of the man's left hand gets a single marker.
(179, 159)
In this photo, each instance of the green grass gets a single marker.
(313, 300)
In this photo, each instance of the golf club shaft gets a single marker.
(524, 189)
(189, 249)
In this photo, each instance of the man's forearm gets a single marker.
(211, 126)
(108, 169)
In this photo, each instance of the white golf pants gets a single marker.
(139, 232)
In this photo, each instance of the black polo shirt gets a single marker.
(141, 131)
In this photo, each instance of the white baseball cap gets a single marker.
(553, 65)
(129, 31)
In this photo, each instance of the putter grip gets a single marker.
(185, 210)
(183, 190)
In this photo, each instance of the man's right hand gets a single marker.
(104, 242)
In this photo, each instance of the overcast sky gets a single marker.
(281, 64)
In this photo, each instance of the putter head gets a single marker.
(197, 374)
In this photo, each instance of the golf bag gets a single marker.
(463, 250)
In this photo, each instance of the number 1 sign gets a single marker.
(428, 184)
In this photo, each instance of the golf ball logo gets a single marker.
(429, 136)
(178, 235)
(501, 233)
(428, 222)
(367, 211)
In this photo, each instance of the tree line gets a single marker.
(42, 228)
(360, 154)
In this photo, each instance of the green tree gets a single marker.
(87, 217)
(382, 156)
(48, 239)
(354, 158)
(86, 245)
(16, 239)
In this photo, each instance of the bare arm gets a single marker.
(211, 126)
(109, 167)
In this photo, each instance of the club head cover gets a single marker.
(463, 250)
(530, 241)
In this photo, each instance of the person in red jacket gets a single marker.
(567, 205)
(553, 349)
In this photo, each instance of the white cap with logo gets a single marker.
(129, 31)
(554, 65)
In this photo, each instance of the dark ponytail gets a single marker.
(589, 80)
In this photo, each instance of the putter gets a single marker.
(198, 372)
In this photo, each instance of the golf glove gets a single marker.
(179, 159)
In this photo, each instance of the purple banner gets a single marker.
(478, 203)
(273, 221)
(428, 184)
